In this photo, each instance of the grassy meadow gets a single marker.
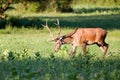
(27, 54)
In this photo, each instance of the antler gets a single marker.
(48, 30)
(58, 27)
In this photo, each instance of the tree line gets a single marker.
(53, 5)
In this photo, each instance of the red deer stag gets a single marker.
(81, 37)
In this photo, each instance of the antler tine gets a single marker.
(46, 26)
(58, 27)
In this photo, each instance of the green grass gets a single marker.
(31, 56)
(27, 54)
(96, 9)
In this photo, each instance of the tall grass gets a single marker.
(27, 54)
(31, 56)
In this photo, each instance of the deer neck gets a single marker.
(68, 40)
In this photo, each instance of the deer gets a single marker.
(80, 37)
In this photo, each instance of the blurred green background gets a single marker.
(26, 54)
(72, 13)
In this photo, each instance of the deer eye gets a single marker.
(61, 38)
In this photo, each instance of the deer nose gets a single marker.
(57, 49)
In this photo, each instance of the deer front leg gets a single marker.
(84, 48)
(72, 51)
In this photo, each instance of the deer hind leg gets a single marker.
(103, 47)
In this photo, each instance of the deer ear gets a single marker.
(62, 37)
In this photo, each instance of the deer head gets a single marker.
(59, 39)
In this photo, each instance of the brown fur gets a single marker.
(83, 37)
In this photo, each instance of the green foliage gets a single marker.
(93, 9)
(30, 6)
(29, 56)
(80, 67)
(46, 5)
(27, 7)
(64, 6)
(26, 54)
(97, 2)
(67, 5)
